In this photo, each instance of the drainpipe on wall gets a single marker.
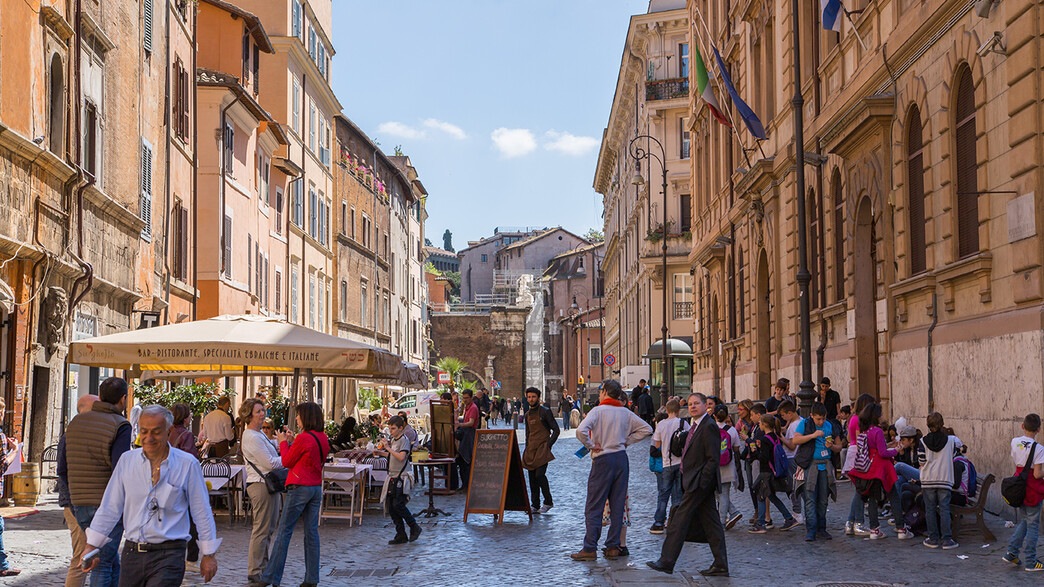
(166, 179)
(931, 331)
(195, 174)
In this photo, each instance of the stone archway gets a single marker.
(763, 342)
(865, 302)
(481, 380)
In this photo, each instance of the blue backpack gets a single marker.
(779, 464)
(970, 477)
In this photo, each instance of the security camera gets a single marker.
(994, 44)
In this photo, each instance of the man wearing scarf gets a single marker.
(607, 431)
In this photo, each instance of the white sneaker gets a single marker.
(849, 529)
(800, 519)
(546, 508)
(860, 530)
(904, 534)
(876, 534)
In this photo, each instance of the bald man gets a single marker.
(75, 577)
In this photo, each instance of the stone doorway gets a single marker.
(865, 300)
(764, 325)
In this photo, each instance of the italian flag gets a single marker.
(706, 91)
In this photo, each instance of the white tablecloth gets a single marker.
(220, 482)
(345, 480)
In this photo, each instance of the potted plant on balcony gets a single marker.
(658, 232)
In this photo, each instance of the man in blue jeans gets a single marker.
(818, 484)
(94, 442)
(607, 431)
(668, 482)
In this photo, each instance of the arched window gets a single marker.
(967, 166)
(731, 263)
(915, 190)
(741, 306)
(839, 237)
(56, 107)
(813, 248)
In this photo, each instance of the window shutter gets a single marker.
(257, 68)
(967, 167)
(915, 183)
(250, 262)
(278, 290)
(185, 103)
(147, 25)
(839, 238)
(183, 241)
(226, 246)
(146, 189)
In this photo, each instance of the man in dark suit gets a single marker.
(696, 518)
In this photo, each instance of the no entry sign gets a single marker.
(443, 377)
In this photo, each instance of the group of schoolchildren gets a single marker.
(910, 479)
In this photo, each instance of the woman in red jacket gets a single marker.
(304, 455)
(876, 482)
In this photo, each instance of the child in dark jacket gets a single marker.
(767, 484)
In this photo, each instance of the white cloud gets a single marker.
(514, 142)
(446, 127)
(569, 144)
(398, 129)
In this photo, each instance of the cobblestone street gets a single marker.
(518, 553)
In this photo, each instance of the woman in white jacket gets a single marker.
(260, 458)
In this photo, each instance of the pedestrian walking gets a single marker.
(745, 428)
(873, 475)
(816, 441)
(219, 429)
(728, 468)
(304, 454)
(646, 409)
(854, 526)
(396, 491)
(787, 411)
(607, 431)
(541, 433)
(465, 434)
(668, 481)
(1026, 453)
(8, 455)
(773, 476)
(565, 408)
(155, 490)
(75, 577)
(635, 394)
(94, 442)
(696, 519)
(261, 458)
(935, 453)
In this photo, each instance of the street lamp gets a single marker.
(577, 321)
(806, 392)
(639, 152)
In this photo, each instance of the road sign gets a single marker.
(609, 360)
(495, 384)
(443, 378)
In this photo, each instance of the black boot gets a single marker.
(415, 532)
(399, 539)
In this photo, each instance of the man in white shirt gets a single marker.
(669, 480)
(607, 431)
(218, 429)
(154, 489)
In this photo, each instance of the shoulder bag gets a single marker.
(1013, 489)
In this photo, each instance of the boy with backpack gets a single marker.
(1028, 457)
(728, 468)
(668, 481)
(935, 454)
(817, 443)
(788, 412)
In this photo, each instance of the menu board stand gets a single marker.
(497, 483)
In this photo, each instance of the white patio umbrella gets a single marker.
(230, 344)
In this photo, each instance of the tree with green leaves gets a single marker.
(594, 235)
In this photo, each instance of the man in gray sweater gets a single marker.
(607, 431)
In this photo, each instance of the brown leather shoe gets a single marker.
(584, 555)
(611, 553)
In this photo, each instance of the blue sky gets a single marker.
(500, 104)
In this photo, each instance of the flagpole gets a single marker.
(855, 30)
(734, 129)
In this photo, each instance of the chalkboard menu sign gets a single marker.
(497, 482)
(442, 445)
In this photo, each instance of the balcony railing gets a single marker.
(682, 310)
(666, 89)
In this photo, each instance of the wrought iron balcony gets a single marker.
(682, 310)
(666, 89)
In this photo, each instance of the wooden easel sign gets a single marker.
(497, 483)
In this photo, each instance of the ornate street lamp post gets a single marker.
(639, 152)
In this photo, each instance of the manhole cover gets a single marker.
(362, 573)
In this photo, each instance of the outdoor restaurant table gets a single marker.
(432, 511)
(352, 483)
(237, 479)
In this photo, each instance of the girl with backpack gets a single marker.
(728, 468)
(873, 474)
(774, 475)
(854, 525)
(745, 429)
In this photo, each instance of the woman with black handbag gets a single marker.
(261, 459)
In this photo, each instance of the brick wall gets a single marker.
(473, 338)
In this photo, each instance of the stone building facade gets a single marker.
(574, 334)
(652, 98)
(923, 192)
(478, 261)
(490, 343)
